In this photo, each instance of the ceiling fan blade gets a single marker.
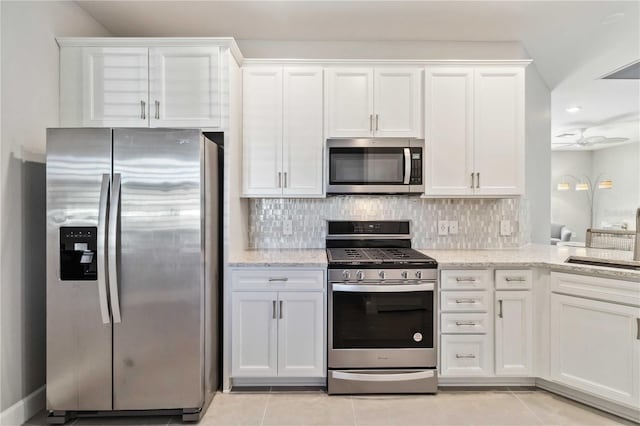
(614, 140)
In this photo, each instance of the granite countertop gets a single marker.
(532, 255)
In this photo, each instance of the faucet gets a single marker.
(636, 251)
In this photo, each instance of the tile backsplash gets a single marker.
(478, 220)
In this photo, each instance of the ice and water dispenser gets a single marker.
(78, 247)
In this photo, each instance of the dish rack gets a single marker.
(610, 239)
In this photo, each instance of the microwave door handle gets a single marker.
(407, 166)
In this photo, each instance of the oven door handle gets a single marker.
(375, 288)
(394, 377)
(407, 166)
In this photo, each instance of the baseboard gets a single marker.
(590, 400)
(24, 409)
(279, 381)
(485, 381)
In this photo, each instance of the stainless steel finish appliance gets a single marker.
(382, 316)
(132, 272)
(375, 166)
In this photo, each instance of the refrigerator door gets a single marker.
(78, 317)
(158, 343)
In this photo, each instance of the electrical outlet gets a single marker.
(453, 227)
(505, 228)
(443, 227)
(287, 227)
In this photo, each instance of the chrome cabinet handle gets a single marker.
(465, 279)
(638, 328)
(273, 307)
(377, 122)
(500, 310)
(283, 279)
(112, 237)
(473, 181)
(465, 356)
(466, 301)
(515, 279)
(371, 122)
(102, 236)
(285, 179)
(281, 310)
(279, 179)
(460, 323)
(477, 180)
(143, 110)
(157, 110)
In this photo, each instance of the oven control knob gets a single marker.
(419, 275)
(382, 274)
(360, 275)
(404, 274)
(346, 275)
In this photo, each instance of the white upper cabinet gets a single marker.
(114, 87)
(499, 130)
(262, 131)
(302, 142)
(349, 102)
(365, 102)
(283, 134)
(184, 86)
(449, 131)
(397, 99)
(474, 126)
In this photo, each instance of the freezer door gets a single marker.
(78, 324)
(158, 343)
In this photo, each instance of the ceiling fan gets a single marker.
(585, 142)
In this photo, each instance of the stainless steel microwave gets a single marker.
(375, 166)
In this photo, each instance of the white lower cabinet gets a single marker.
(514, 333)
(595, 347)
(278, 324)
(466, 355)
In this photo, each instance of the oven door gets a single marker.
(373, 166)
(376, 325)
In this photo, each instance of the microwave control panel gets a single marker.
(416, 166)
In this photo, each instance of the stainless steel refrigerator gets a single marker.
(132, 272)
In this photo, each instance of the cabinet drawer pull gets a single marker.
(470, 323)
(515, 279)
(468, 301)
(273, 306)
(465, 356)
(283, 279)
(500, 310)
(465, 279)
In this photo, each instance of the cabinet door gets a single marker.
(254, 336)
(514, 333)
(115, 87)
(262, 131)
(185, 86)
(302, 132)
(301, 334)
(449, 131)
(397, 101)
(595, 347)
(350, 102)
(499, 131)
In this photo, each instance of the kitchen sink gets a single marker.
(609, 263)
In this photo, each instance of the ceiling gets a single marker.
(572, 43)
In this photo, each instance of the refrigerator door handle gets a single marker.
(102, 268)
(114, 218)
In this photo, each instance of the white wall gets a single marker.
(537, 198)
(621, 164)
(570, 208)
(29, 105)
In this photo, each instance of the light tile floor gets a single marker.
(504, 407)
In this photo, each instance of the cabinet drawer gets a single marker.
(277, 279)
(464, 301)
(465, 279)
(466, 355)
(514, 279)
(464, 323)
(607, 289)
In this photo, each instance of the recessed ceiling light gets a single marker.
(613, 18)
(573, 109)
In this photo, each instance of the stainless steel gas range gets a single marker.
(382, 316)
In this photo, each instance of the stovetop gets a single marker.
(379, 257)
